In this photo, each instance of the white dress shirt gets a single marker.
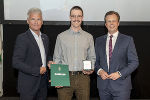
(41, 47)
(114, 38)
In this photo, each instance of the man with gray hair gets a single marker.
(31, 54)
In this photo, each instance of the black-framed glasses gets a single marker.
(76, 16)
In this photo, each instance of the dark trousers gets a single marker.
(41, 93)
(114, 95)
(79, 84)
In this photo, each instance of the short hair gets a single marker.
(76, 8)
(34, 10)
(111, 13)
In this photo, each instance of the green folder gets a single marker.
(59, 75)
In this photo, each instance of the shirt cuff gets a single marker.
(99, 71)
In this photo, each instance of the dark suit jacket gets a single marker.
(124, 59)
(27, 60)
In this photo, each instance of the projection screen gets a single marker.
(94, 10)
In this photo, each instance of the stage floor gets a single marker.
(52, 98)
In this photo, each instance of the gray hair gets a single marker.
(34, 10)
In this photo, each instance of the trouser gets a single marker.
(114, 95)
(41, 93)
(79, 84)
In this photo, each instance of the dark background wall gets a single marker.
(140, 77)
(1, 11)
(140, 31)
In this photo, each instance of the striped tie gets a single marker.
(110, 47)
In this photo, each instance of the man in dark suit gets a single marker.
(31, 54)
(116, 59)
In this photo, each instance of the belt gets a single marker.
(75, 72)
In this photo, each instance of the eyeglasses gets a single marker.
(76, 16)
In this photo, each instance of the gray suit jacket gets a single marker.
(124, 59)
(27, 60)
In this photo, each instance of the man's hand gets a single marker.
(42, 70)
(103, 74)
(87, 72)
(49, 64)
(58, 86)
(114, 76)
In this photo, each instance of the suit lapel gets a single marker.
(116, 48)
(44, 43)
(31, 37)
(104, 49)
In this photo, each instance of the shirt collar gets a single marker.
(114, 35)
(34, 34)
(79, 32)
